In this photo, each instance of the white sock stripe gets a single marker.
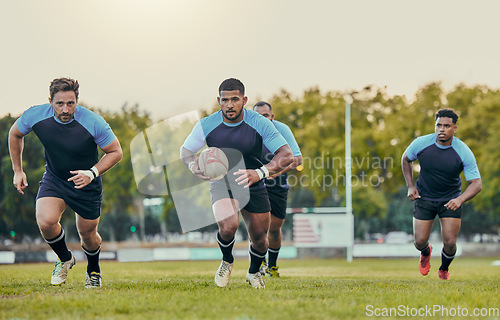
(255, 254)
(273, 251)
(57, 239)
(225, 245)
(93, 253)
(447, 256)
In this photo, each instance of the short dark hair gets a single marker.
(63, 84)
(232, 84)
(263, 103)
(447, 113)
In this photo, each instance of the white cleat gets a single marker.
(93, 280)
(61, 269)
(223, 273)
(255, 280)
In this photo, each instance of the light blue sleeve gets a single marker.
(24, 123)
(271, 138)
(96, 125)
(33, 115)
(418, 145)
(287, 133)
(104, 135)
(196, 139)
(412, 150)
(471, 171)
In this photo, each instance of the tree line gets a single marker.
(383, 126)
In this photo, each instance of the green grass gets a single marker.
(308, 289)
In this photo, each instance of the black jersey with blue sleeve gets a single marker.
(68, 146)
(247, 136)
(441, 166)
(280, 182)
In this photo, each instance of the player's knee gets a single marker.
(261, 244)
(43, 225)
(227, 231)
(46, 224)
(259, 238)
(275, 235)
(89, 235)
(450, 245)
(420, 243)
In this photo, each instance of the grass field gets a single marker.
(308, 289)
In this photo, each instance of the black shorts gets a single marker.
(253, 200)
(86, 202)
(277, 198)
(427, 210)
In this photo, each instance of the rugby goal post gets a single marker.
(325, 227)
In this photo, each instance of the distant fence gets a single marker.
(374, 250)
(137, 255)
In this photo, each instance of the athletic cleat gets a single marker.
(425, 263)
(273, 272)
(223, 273)
(93, 280)
(255, 280)
(61, 269)
(263, 267)
(443, 275)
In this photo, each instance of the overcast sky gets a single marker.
(169, 56)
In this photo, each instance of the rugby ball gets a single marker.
(213, 162)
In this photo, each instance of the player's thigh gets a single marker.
(257, 223)
(86, 226)
(422, 229)
(276, 224)
(49, 210)
(450, 227)
(226, 212)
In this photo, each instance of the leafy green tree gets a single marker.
(479, 129)
(383, 126)
(18, 210)
(121, 196)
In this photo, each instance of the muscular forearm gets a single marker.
(189, 160)
(407, 168)
(108, 161)
(295, 163)
(16, 145)
(472, 190)
(282, 159)
(187, 156)
(113, 155)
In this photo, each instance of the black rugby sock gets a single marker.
(446, 259)
(426, 251)
(58, 244)
(93, 260)
(273, 256)
(226, 247)
(256, 259)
